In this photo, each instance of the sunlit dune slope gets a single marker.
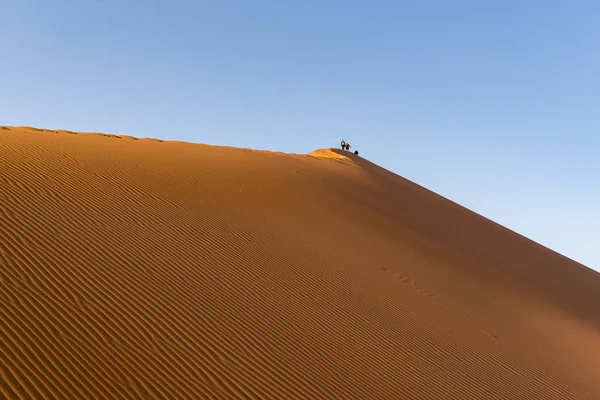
(148, 269)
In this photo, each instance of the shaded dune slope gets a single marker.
(148, 269)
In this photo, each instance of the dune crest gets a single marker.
(331, 153)
(153, 269)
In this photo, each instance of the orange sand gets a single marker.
(149, 269)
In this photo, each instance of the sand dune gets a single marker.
(166, 270)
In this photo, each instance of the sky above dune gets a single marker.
(491, 104)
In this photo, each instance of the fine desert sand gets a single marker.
(140, 268)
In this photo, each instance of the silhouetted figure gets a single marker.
(356, 152)
(348, 146)
(343, 145)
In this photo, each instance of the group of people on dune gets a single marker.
(346, 146)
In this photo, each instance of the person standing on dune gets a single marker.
(343, 144)
(348, 146)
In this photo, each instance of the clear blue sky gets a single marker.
(493, 104)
